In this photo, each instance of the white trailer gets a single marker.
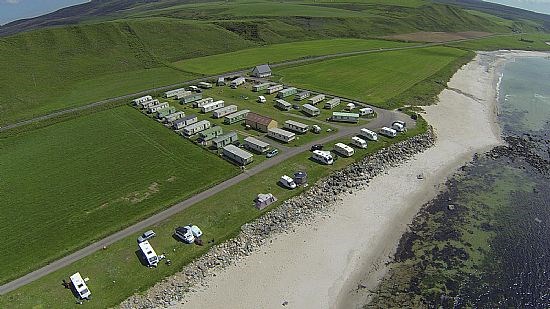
(256, 144)
(146, 104)
(219, 113)
(156, 108)
(184, 121)
(332, 103)
(368, 134)
(205, 85)
(142, 99)
(365, 111)
(173, 93)
(80, 286)
(237, 82)
(398, 126)
(183, 94)
(389, 132)
(316, 99)
(311, 110)
(196, 127)
(302, 95)
(173, 117)
(344, 150)
(323, 157)
(212, 106)
(149, 253)
(350, 106)
(274, 88)
(359, 142)
(282, 104)
(202, 102)
(296, 126)
(281, 135)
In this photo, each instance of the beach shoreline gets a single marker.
(322, 263)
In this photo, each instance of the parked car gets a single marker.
(272, 153)
(296, 107)
(146, 236)
(316, 147)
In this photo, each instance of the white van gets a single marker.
(287, 182)
(389, 132)
(322, 157)
(344, 150)
(149, 253)
(369, 134)
(359, 142)
(261, 99)
(399, 126)
(350, 106)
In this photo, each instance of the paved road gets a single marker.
(206, 78)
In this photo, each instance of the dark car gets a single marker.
(316, 147)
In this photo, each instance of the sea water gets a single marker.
(485, 241)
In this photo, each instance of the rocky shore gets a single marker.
(301, 209)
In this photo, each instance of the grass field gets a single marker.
(372, 78)
(248, 58)
(116, 273)
(68, 184)
(531, 41)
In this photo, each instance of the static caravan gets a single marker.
(368, 134)
(365, 111)
(316, 99)
(281, 135)
(191, 98)
(332, 103)
(165, 112)
(149, 253)
(389, 132)
(296, 126)
(202, 102)
(236, 117)
(345, 117)
(359, 142)
(256, 144)
(173, 93)
(350, 106)
(211, 133)
(174, 116)
(80, 286)
(142, 99)
(221, 81)
(212, 106)
(286, 92)
(323, 157)
(273, 89)
(182, 95)
(238, 155)
(260, 87)
(237, 82)
(282, 104)
(196, 127)
(146, 104)
(311, 110)
(302, 95)
(224, 140)
(204, 85)
(219, 113)
(184, 121)
(344, 150)
(156, 108)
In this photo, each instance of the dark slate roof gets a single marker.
(264, 68)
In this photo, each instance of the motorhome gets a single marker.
(389, 132)
(350, 106)
(149, 254)
(344, 150)
(80, 286)
(358, 142)
(323, 157)
(369, 134)
(365, 111)
(261, 99)
(287, 182)
(399, 126)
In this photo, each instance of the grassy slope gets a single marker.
(220, 217)
(90, 177)
(509, 42)
(276, 53)
(373, 78)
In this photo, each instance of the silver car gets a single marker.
(146, 236)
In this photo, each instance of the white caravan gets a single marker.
(149, 253)
(389, 132)
(80, 286)
(359, 142)
(399, 126)
(344, 150)
(287, 182)
(322, 157)
(369, 134)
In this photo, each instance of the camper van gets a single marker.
(261, 99)
(149, 253)
(80, 286)
(188, 233)
(365, 111)
(323, 157)
(399, 126)
(389, 132)
(344, 150)
(350, 106)
(287, 182)
(370, 135)
(358, 142)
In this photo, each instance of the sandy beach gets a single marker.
(321, 264)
